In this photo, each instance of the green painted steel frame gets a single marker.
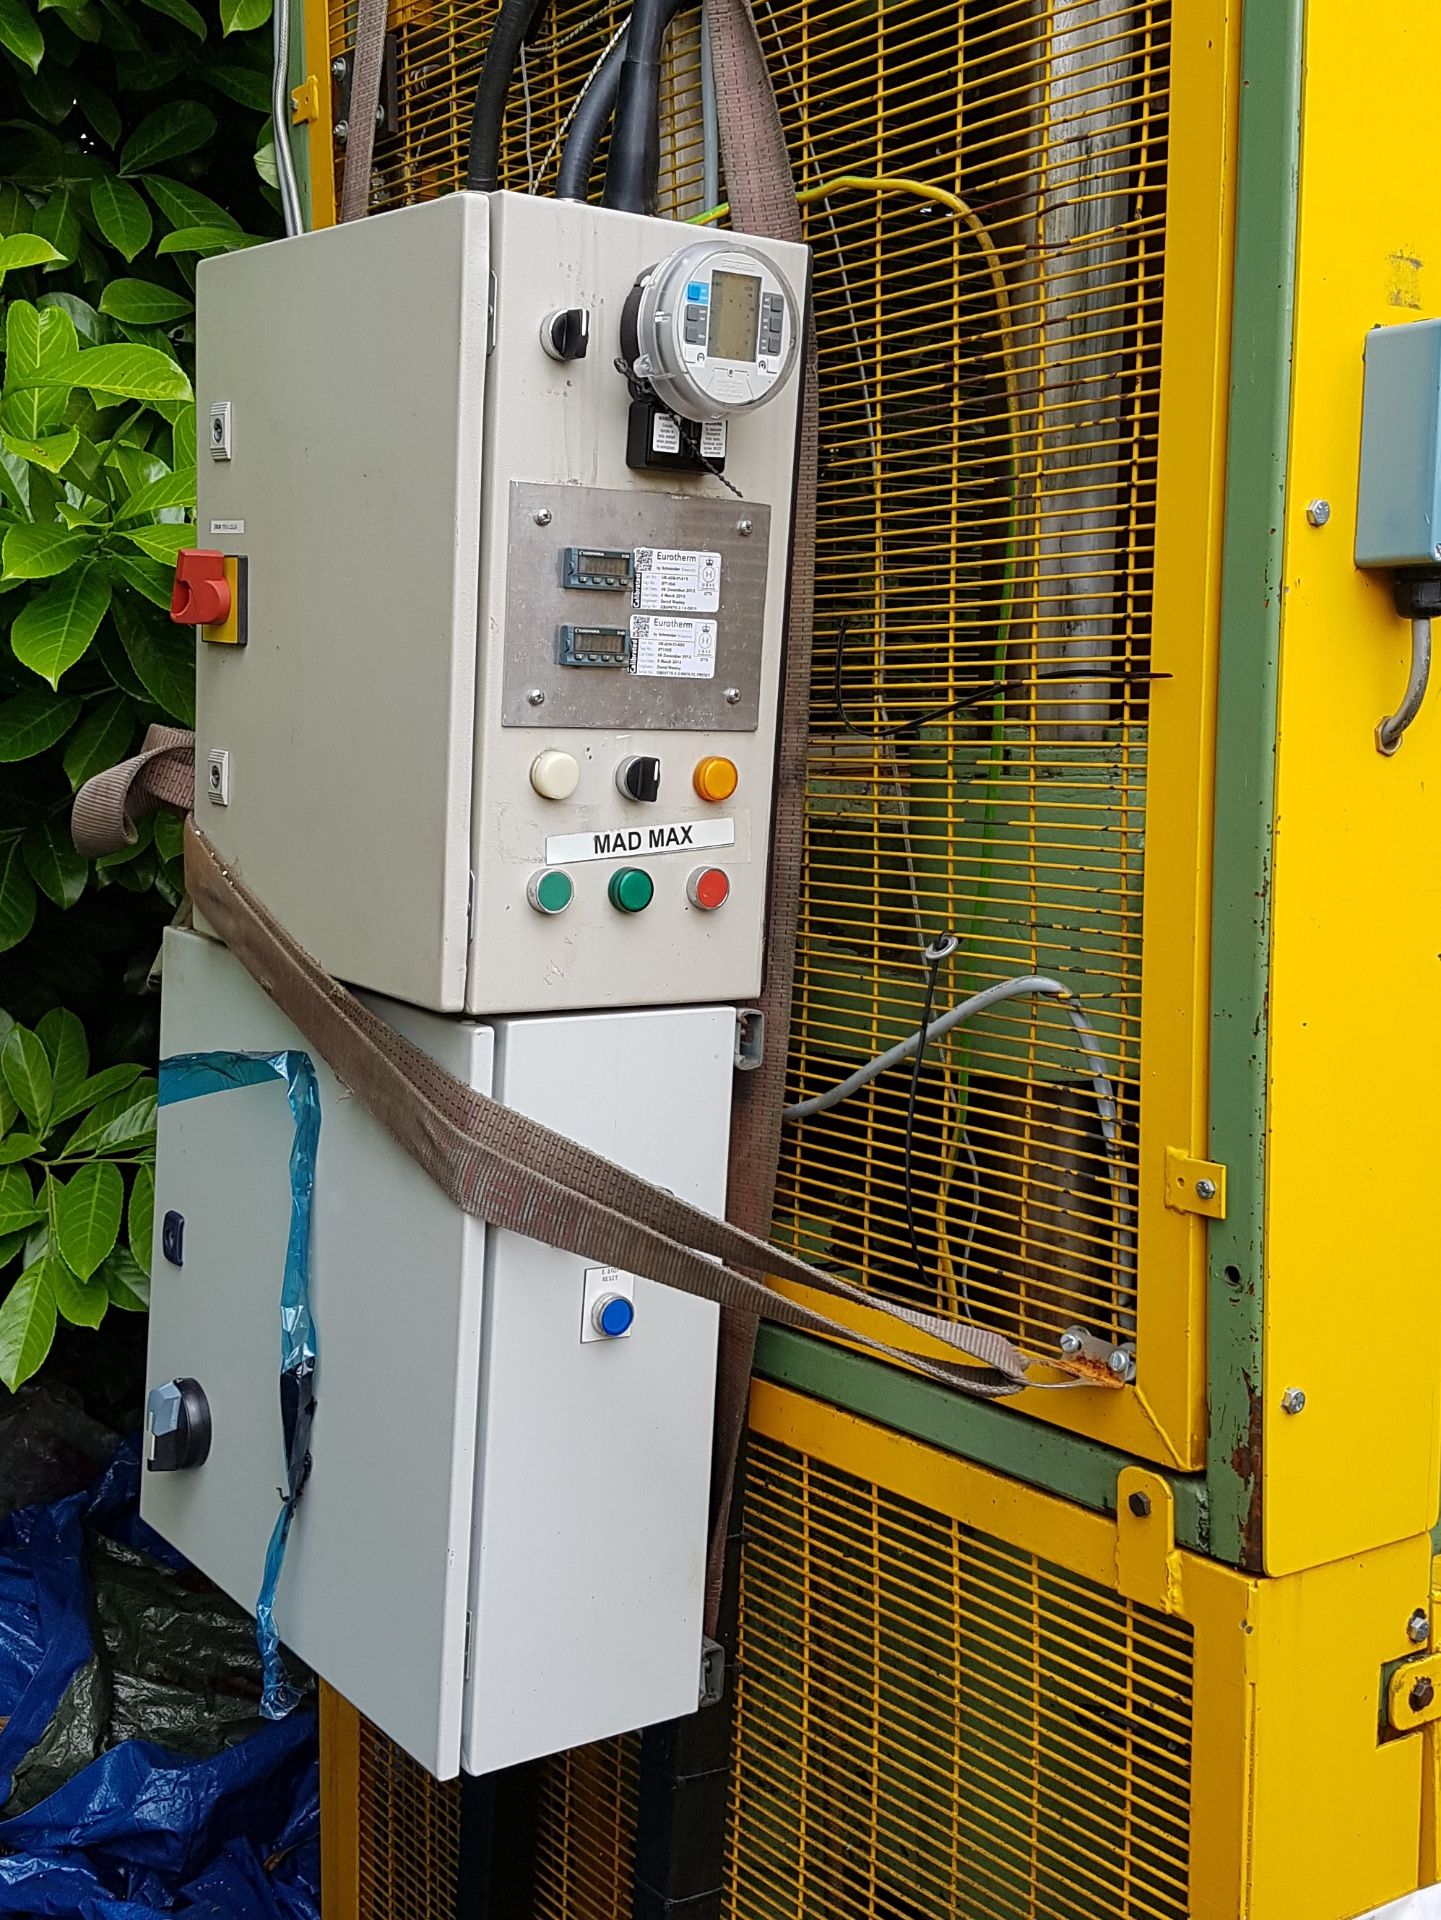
(1218, 1513)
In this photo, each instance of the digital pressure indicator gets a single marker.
(711, 330)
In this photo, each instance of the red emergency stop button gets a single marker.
(708, 888)
(201, 594)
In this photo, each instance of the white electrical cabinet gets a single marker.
(500, 1550)
(500, 735)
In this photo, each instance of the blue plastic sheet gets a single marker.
(188, 1076)
(140, 1830)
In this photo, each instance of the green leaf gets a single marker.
(127, 1284)
(178, 128)
(163, 659)
(181, 11)
(103, 114)
(17, 898)
(147, 577)
(16, 211)
(26, 1068)
(17, 1201)
(54, 865)
(101, 738)
(62, 1035)
(244, 84)
(24, 249)
(142, 303)
(170, 490)
(48, 92)
(265, 162)
(31, 721)
(27, 1326)
(50, 452)
(58, 223)
(207, 240)
(84, 1303)
(140, 1217)
(130, 373)
(162, 543)
(37, 552)
(182, 440)
(185, 206)
(55, 629)
(10, 1245)
(20, 33)
(105, 1085)
(243, 16)
(134, 1126)
(87, 1216)
(121, 215)
(81, 315)
(18, 1146)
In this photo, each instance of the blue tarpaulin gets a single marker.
(140, 1828)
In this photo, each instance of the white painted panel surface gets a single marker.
(373, 1594)
(594, 1459)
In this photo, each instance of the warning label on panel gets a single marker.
(670, 649)
(677, 579)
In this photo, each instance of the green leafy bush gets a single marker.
(142, 148)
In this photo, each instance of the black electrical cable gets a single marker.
(502, 55)
(592, 117)
(633, 165)
(977, 696)
(936, 953)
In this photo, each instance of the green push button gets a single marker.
(551, 891)
(631, 889)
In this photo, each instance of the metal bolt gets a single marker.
(1293, 1400)
(337, 67)
(733, 696)
(342, 132)
(1205, 1189)
(1122, 1362)
(541, 516)
(535, 697)
(380, 116)
(1418, 1627)
(743, 527)
(1421, 1695)
(1318, 512)
(1140, 1505)
(1070, 1341)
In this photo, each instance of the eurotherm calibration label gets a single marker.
(677, 580)
(666, 648)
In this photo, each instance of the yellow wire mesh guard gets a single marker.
(408, 1834)
(978, 724)
(585, 1851)
(933, 1723)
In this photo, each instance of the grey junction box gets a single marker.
(1398, 507)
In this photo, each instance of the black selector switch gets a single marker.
(639, 777)
(565, 334)
(177, 1426)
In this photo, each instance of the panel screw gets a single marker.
(342, 132)
(1070, 1341)
(380, 116)
(1418, 1628)
(733, 696)
(1140, 1505)
(535, 697)
(1205, 1189)
(743, 527)
(337, 67)
(1421, 1695)
(541, 516)
(1318, 512)
(1122, 1362)
(1293, 1400)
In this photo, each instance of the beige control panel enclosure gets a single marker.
(466, 615)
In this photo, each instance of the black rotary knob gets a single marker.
(639, 777)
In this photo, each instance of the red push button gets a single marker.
(708, 888)
(201, 594)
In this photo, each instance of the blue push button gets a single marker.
(699, 290)
(613, 1315)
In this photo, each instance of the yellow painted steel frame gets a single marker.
(1297, 1808)
(1354, 1098)
(1163, 1417)
(320, 146)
